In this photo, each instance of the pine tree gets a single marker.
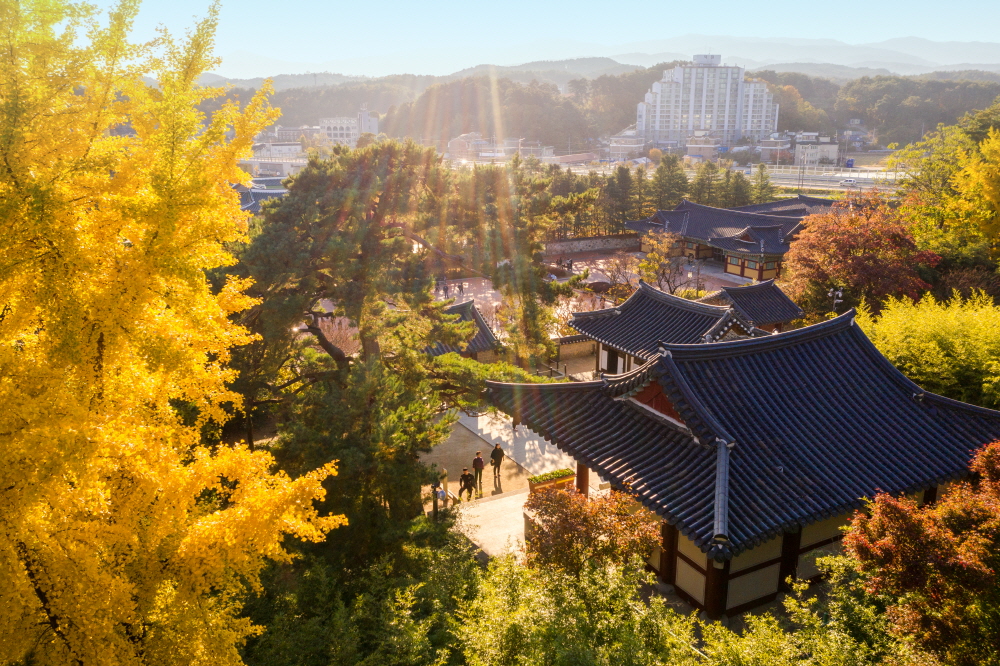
(705, 186)
(761, 191)
(741, 190)
(669, 184)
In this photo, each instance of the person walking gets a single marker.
(445, 287)
(466, 482)
(496, 457)
(461, 288)
(478, 465)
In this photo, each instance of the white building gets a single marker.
(346, 130)
(626, 144)
(277, 149)
(706, 96)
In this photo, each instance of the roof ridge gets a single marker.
(777, 218)
(749, 287)
(919, 392)
(720, 528)
(663, 297)
(752, 345)
(673, 375)
(624, 382)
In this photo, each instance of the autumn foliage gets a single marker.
(123, 539)
(861, 246)
(573, 531)
(939, 564)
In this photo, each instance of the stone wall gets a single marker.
(577, 349)
(629, 243)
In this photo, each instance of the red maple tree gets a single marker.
(572, 531)
(938, 564)
(863, 247)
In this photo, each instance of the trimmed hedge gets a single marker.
(554, 474)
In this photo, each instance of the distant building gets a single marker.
(772, 150)
(296, 133)
(466, 146)
(472, 146)
(282, 149)
(702, 146)
(273, 167)
(812, 149)
(346, 130)
(626, 144)
(706, 96)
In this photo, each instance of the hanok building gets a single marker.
(483, 345)
(763, 304)
(797, 206)
(629, 334)
(751, 244)
(754, 453)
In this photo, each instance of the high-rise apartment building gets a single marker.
(706, 96)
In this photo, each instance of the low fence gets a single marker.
(626, 242)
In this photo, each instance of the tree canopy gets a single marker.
(127, 537)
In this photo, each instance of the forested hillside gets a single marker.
(525, 103)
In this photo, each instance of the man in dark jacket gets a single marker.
(496, 457)
(466, 482)
(478, 465)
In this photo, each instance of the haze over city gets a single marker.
(259, 38)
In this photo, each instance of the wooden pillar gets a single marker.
(716, 589)
(790, 544)
(668, 553)
(582, 479)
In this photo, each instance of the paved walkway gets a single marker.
(496, 525)
(459, 450)
(523, 446)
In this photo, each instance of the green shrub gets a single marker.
(548, 476)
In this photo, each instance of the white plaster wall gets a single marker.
(691, 551)
(762, 553)
(690, 580)
(753, 586)
(824, 529)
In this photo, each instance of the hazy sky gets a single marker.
(314, 31)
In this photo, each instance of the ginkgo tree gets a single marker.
(123, 539)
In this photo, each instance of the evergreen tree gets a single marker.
(669, 184)
(640, 204)
(620, 192)
(741, 190)
(724, 192)
(705, 186)
(761, 191)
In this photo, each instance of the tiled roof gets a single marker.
(798, 206)
(651, 316)
(484, 340)
(691, 220)
(252, 198)
(778, 432)
(754, 241)
(762, 303)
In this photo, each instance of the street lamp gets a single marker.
(836, 295)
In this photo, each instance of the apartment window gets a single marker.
(751, 264)
(769, 266)
(734, 261)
